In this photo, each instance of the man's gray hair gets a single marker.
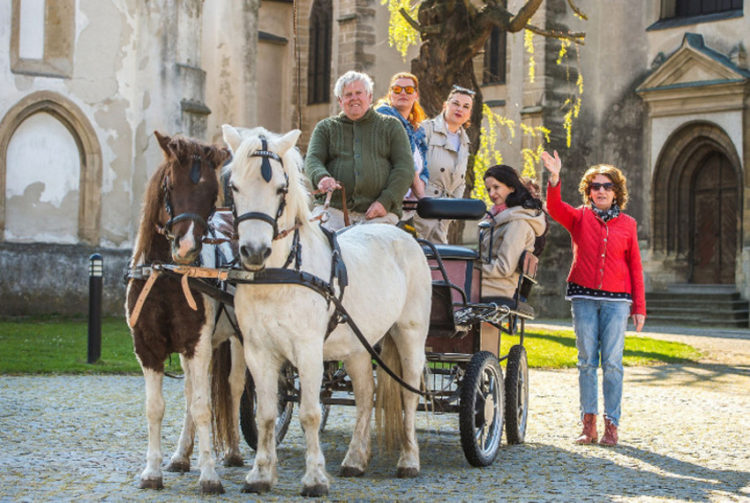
(348, 78)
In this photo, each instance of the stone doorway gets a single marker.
(715, 211)
(697, 208)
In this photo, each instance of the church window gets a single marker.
(494, 58)
(319, 60)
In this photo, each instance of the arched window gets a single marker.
(494, 58)
(319, 59)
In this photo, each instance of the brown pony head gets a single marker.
(179, 199)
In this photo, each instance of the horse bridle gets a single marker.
(195, 173)
(265, 171)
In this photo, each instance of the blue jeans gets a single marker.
(600, 330)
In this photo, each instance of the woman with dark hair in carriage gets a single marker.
(517, 223)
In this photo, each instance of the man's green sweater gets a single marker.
(370, 157)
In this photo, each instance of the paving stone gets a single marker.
(683, 434)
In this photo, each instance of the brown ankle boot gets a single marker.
(588, 435)
(610, 434)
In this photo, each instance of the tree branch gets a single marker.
(576, 37)
(521, 19)
(578, 11)
(429, 30)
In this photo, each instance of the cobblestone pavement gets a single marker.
(683, 436)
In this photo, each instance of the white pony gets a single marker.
(389, 292)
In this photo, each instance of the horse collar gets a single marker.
(265, 167)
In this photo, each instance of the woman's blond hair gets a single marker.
(611, 172)
(417, 114)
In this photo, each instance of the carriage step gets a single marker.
(490, 313)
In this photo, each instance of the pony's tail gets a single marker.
(389, 404)
(221, 399)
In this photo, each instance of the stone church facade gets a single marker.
(665, 99)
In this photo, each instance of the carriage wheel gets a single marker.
(516, 395)
(480, 411)
(248, 405)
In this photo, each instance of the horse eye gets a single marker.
(233, 186)
(281, 190)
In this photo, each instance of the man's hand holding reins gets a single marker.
(328, 184)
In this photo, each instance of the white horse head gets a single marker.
(268, 189)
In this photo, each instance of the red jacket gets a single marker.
(605, 254)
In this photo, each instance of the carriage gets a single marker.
(463, 373)
(430, 323)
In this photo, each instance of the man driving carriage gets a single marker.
(366, 153)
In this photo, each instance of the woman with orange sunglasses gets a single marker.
(402, 102)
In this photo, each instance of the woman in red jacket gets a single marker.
(605, 285)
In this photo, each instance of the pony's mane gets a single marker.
(298, 199)
(153, 198)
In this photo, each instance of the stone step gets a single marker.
(658, 319)
(694, 297)
(699, 288)
(702, 305)
(713, 315)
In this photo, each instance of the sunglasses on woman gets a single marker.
(608, 186)
(463, 90)
(398, 89)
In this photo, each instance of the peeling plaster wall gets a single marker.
(136, 67)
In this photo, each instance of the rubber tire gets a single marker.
(247, 412)
(516, 395)
(483, 378)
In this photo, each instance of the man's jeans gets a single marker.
(600, 329)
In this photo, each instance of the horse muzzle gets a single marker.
(253, 258)
(185, 255)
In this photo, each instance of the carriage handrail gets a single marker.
(442, 270)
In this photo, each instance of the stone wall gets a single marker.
(54, 279)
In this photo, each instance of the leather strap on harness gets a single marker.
(302, 278)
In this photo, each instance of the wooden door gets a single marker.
(714, 218)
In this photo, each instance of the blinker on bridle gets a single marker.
(195, 176)
(265, 172)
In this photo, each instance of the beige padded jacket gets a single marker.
(514, 230)
(447, 169)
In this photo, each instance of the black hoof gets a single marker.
(178, 466)
(407, 473)
(256, 487)
(350, 471)
(152, 484)
(315, 491)
(211, 487)
(230, 461)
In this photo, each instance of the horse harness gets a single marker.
(195, 276)
(195, 175)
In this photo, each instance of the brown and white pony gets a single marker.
(180, 197)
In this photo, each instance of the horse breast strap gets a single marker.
(265, 167)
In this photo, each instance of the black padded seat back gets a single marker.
(451, 209)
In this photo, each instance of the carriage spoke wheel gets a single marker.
(248, 408)
(481, 409)
(516, 395)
